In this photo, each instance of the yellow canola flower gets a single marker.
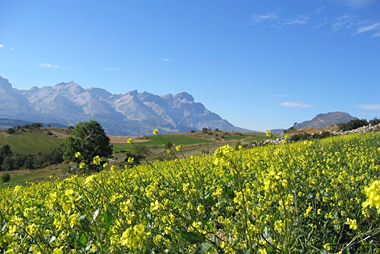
(373, 195)
(155, 131)
(78, 154)
(268, 133)
(129, 141)
(97, 160)
(352, 223)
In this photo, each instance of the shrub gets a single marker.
(5, 177)
(352, 125)
(300, 136)
(374, 121)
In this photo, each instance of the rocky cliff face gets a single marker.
(132, 113)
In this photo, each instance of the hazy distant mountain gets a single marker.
(277, 131)
(6, 123)
(132, 113)
(323, 120)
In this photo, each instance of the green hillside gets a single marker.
(31, 143)
(155, 141)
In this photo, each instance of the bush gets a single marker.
(352, 125)
(300, 136)
(5, 177)
(11, 131)
(374, 121)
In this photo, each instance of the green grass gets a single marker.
(31, 143)
(156, 142)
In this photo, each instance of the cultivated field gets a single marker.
(305, 197)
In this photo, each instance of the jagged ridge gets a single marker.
(132, 113)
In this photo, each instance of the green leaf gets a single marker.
(83, 239)
(193, 237)
(203, 248)
(107, 219)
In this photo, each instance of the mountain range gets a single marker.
(321, 120)
(132, 113)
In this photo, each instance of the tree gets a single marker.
(11, 131)
(90, 140)
(6, 151)
(29, 162)
(5, 177)
(7, 164)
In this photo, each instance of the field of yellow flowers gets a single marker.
(307, 197)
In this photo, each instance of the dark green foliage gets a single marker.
(137, 159)
(11, 131)
(353, 124)
(8, 164)
(6, 151)
(306, 136)
(90, 140)
(29, 162)
(169, 145)
(5, 177)
(300, 136)
(374, 121)
(23, 128)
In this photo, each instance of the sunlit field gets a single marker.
(307, 197)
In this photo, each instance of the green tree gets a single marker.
(90, 140)
(5, 177)
(29, 162)
(7, 164)
(6, 151)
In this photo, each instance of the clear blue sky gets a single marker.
(258, 64)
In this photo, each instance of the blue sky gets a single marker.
(258, 64)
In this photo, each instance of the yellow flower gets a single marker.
(131, 160)
(157, 239)
(178, 148)
(129, 141)
(373, 195)
(155, 131)
(352, 223)
(78, 154)
(327, 246)
(268, 133)
(82, 165)
(97, 160)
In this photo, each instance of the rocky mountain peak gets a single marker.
(69, 87)
(4, 84)
(132, 113)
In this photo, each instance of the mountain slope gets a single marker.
(323, 120)
(132, 113)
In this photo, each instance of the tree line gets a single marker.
(21, 128)
(11, 161)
